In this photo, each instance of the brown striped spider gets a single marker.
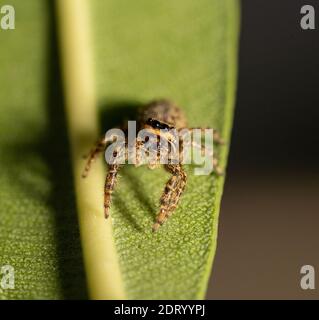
(158, 119)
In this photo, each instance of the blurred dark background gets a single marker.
(269, 219)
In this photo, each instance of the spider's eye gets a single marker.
(157, 124)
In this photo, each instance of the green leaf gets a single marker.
(184, 50)
(39, 234)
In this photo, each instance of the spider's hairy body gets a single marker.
(165, 112)
(159, 118)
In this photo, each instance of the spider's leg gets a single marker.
(217, 168)
(172, 192)
(109, 186)
(217, 138)
(176, 196)
(219, 171)
(98, 148)
(216, 135)
(139, 145)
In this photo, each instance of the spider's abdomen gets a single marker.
(164, 111)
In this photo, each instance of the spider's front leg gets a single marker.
(109, 186)
(172, 193)
(114, 165)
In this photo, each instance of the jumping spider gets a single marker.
(157, 117)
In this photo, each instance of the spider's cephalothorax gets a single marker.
(163, 113)
(160, 118)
